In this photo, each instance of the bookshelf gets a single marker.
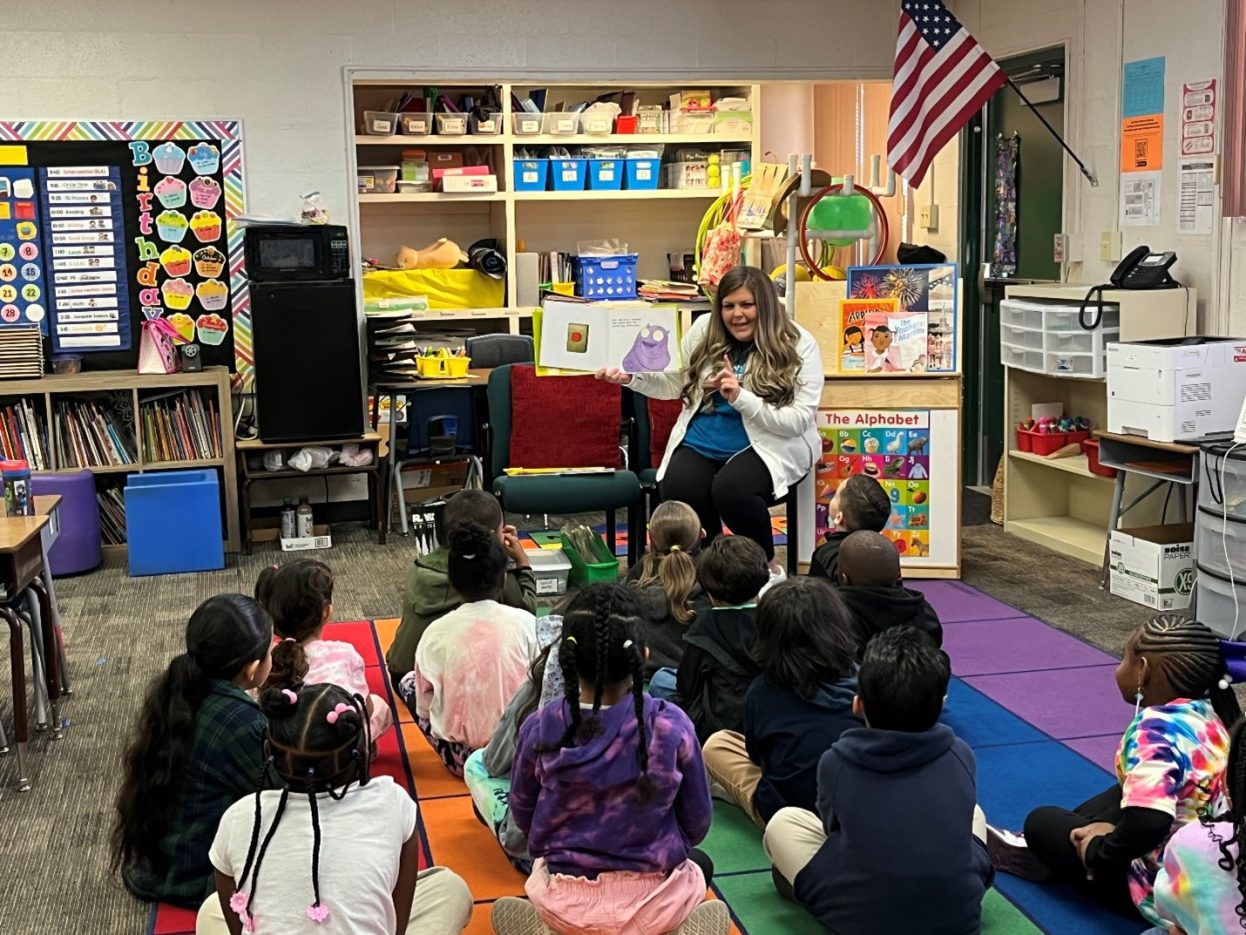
(113, 423)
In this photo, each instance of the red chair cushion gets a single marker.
(561, 422)
(662, 416)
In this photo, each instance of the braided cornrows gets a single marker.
(1235, 782)
(1189, 655)
(601, 635)
(637, 659)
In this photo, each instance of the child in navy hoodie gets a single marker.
(898, 843)
(869, 567)
(805, 645)
(860, 502)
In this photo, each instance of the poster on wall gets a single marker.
(912, 453)
(137, 220)
(1142, 142)
(927, 304)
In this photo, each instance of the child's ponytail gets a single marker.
(290, 665)
(223, 636)
(674, 536)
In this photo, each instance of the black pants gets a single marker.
(738, 492)
(702, 860)
(1047, 831)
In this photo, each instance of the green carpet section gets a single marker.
(759, 909)
(1000, 917)
(734, 842)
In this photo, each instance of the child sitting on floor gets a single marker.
(869, 567)
(195, 749)
(806, 647)
(335, 849)
(299, 596)
(671, 599)
(428, 594)
(487, 772)
(859, 502)
(717, 669)
(609, 785)
(1169, 768)
(898, 843)
(471, 661)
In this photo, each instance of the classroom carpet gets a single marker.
(1038, 706)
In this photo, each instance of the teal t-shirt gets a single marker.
(718, 433)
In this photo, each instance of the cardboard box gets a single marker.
(306, 542)
(1171, 390)
(469, 184)
(1153, 565)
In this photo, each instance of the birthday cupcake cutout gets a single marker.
(206, 226)
(169, 158)
(171, 226)
(204, 193)
(183, 324)
(212, 329)
(171, 192)
(213, 294)
(204, 158)
(176, 261)
(177, 294)
(209, 262)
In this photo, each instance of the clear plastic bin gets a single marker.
(377, 180)
(551, 568)
(1086, 366)
(451, 124)
(380, 122)
(1220, 543)
(1218, 603)
(596, 124)
(1222, 480)
(1080, 342)
(414, 124)
(1020, 358)
(1020, 314)
(487, 126)
(562, 123)
(526, 124)
(1068, 317)
(1021, 337)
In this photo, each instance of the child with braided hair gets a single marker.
(609, 786)
(1201, 888)
(332, 850)
(1170, 770)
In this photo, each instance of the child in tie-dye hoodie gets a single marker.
(1200, 887)
(1170, 771)
(609, 785)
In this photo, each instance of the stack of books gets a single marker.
(21, 352)
(23, 434)
(89, 433)
(112, 515)
(180, 426)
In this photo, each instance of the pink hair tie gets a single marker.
(318, 912)
(338, 710)
(294, 699)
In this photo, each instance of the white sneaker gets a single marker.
(1011, 855)
(515, 916)
(719, 791)
(709, 918)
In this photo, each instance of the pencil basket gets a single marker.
(590, 569)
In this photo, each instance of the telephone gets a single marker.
(1141, 269)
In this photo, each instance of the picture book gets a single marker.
(853, 316)
(636, 337)
(930, 291)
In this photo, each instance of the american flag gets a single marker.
(942, 78)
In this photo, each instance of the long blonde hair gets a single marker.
(674, 538)
(774, 364)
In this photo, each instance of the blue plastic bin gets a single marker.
(568, 175)
(605, 175)
(643, 174)
(173, 522)
(531, 175)
(607, 277)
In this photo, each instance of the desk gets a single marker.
(1170, 464)
(253, 446)
(21, 561)
(476, 379)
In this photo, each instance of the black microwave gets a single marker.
(294, 253)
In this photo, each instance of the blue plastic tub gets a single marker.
(643, 174)
(605, 175)
(568, 175)
(607, 277)
(531, 175)
(173, 522)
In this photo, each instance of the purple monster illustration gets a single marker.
(649, 353)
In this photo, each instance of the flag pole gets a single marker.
(1052, 130)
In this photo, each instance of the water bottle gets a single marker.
(287, 519)
(303, 519)
(17, 487)
(6, 470)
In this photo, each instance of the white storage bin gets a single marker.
(1020, 358)
(1218, 604)
(526, 124)
(451, 124)
(562, 123)
(1080, 342)
(1068, 317)
(1214, 535)
(1021, 314)
(377, 180)
(1086, 366)
(1021, 337)
(1222, 481)
(380, 122)
(595, 123)
(551, 568)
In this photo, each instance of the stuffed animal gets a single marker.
(444, 254)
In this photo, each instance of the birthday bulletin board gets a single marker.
(912, 453)
(104, 225)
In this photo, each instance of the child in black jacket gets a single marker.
(869, 567)
(860, 502)
(898, 842)
(717, 669)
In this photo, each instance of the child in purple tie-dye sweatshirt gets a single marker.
(609, 785)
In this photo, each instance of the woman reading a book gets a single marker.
(750, 392)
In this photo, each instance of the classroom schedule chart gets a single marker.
(22, 285)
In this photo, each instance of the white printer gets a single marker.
(1177, 389)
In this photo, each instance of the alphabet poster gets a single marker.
(132, 221)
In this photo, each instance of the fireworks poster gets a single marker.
(926, 289)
